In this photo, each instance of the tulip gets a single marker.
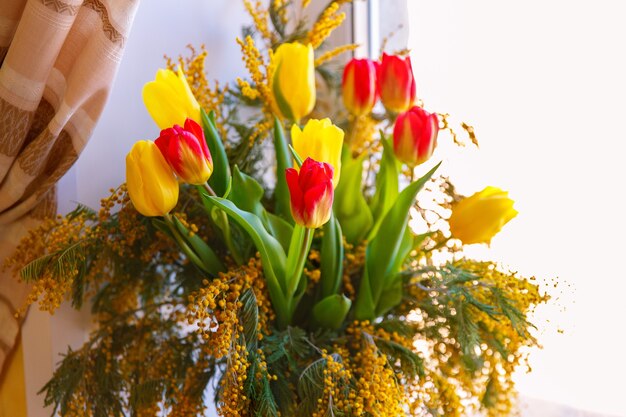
(396, 83)
(477, 219)
(293, 80)
(169, 99)
(311, 191)
(415, 136)
(152, 186)
(359, 86)
(319, 140)
(186, 151)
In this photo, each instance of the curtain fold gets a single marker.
(58, 60)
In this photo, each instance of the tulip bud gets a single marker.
(169, 99)
(186, 151)
(293, 80)
(477, 219)
(415, 136)
(151, 184)
(319, 140)
(311, 192)
(359, 86)
(396, 83)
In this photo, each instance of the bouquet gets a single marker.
(263, 249)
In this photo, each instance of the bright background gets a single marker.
(543, 83)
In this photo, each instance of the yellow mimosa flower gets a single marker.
(477, 219)
(169, 99)
(293, 81)
(319, 140)
(151, 183)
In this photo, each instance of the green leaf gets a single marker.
(389, 298)
(406, 245)
(296, 156)
(331, 311)
(283, 161)
(382, 251)
(279, 228)
(410, 362)
(162, 226)
(208, 257)
(221, 169)
(331, 267)
(249, 317)
(350, 205)
(247, 194)
(298, 251)
(386, 186)
(34, 269)
(272, 254)
(392, 293)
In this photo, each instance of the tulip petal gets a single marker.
(296, 197)
(293, 83)
(318, 202)
(321, 141)
(151, 184)
(169, 99)
(165, 112)
(478, 218)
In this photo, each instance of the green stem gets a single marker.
(354, 123)
(188, 251)
(299, 247)
(226, 231)
(303, 252)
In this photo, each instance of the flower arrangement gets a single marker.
(268, 266)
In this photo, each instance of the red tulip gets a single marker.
(311, 193)
(396, 83)
(415, 136)
(186, 151)
(359, 86)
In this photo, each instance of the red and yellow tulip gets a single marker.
(320, 140)
(415, 136)
(396, 83)
(311, 192)
(186, 151)
(359, 88)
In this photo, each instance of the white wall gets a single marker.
(543, 82)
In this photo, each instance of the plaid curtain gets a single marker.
(58, 59)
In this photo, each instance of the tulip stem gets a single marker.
(353, 130)
(209, 190)
(185, 248)
(301, 242)
(226, 230)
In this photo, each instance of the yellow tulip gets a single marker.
(151, 183)
(477, 219)
(293, 81)
(319, 140)
(169, 99)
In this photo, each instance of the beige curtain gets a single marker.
(58, 59)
